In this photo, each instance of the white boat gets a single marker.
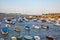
(38, 20)
(35, 19)
(27, 37)
(57, 22)
(36, 27)
(26, 19)
(36, 38)
(7, 25)
(7, 21)
(45, 27)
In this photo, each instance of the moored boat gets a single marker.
(17, 29)
(13, 38)
(4, 30)
(27, 27)
(26, 37)
(36, 27)
(36, 38)
(49, 37)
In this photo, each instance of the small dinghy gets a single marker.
(49, 37)
(27, 27)
(20, 19)
(57, 23)
(17, 29)
(8, 20)
(13, 38)
(19, 38)
(7, 25)
(26, 19)
(45, 27)
(29, 18)
(36, 38)
(36, 27)
(26, 37)
(35, 20)
(4, 30)
(43, 20)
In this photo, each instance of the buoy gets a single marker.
(26, 37)
(13, 38)
(36, 38)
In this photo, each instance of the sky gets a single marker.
(30, 6)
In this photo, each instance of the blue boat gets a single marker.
(27, 27)
(4, 30)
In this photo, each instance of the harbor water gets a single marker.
(42, 33)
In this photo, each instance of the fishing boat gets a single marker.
(29, 17)
(35, 19)
(20, 19)
(17, 29)
(38, 20)
(53, 20)
(13, 38)
(57, 23)
(36, 38)
(26, 19)
(45, 27)
(4, 30)
(27, 27)
(14, 20)
(36, 27)
(49, 37)
(43, 20)
(7, 25)
(19, 38)
(26, 37)
(8, 20)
